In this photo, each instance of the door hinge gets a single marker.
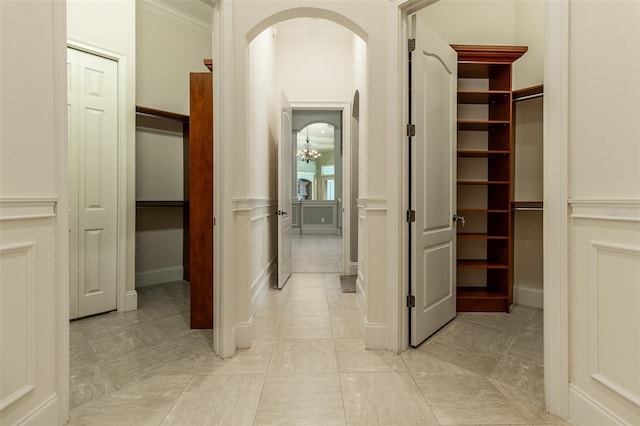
(411, 216)
(411, 130)
(411, 301)
(412, 44)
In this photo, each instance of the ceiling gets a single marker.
(199, 9)
(321, 137)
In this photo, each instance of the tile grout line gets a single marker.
(413, 379)
(178, 397)
(335, 354)
(266, 375)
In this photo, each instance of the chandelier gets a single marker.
(308, 154)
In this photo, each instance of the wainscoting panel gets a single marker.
(17, 321)
(604, 295)
(614, 287)
(27, 315)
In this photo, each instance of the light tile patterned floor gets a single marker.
(316, 253)
(307, 365)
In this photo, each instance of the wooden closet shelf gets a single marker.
(482, 211)
(528, 93)
(482, 96)
(478, 293)
(481, 124)
(483, 182)
(480, 264)
(162, 114)
(476, 236)
(481, 299)
(481, 152)
(156, 204)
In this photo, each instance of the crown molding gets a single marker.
(175, 16)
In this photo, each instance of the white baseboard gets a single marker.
(158, 276)
(259, 288)
(244, 334)
(353, 268)
(375, 335)
(261, 285)
(319, 231)
(529, 296)
(361, 295)
(44, 414)
(131, 301)
(584, 410)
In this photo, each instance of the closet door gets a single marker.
(93, 174)
(433, 170)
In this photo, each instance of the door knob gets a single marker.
(457, 218)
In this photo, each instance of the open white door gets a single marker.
(285, 150)
(433, 173)
(93, 179)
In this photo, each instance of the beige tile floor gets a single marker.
(316, 253)
(307, 365)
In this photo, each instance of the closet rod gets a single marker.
(158, 113)
(530, 209)
(526, 98)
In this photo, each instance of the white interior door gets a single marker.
(433, 156)
(285, 191)
(93, 174)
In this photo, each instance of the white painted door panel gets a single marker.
(433, 268)
(285, 151)
(93, 137)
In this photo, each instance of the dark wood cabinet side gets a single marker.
(201, 199)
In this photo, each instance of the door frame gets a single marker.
(124, 302)
(556, 212)
(345, 108)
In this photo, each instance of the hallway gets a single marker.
(307, 365)
(316, 253)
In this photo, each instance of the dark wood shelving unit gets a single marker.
(481, 152)
(472, 210)
(488, 70)
(482, 96)
(481, 124)
(145, 204)
(478, 236)
(483, 182)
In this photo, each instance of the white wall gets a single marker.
(473, 21)
(604, 228)
(529, 31)
(34, 254)
(315, 62)
(169, 45)
(258, 264)
(92, 23)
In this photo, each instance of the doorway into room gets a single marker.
(317, 201)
